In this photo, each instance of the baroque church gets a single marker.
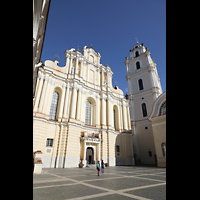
(78, 116)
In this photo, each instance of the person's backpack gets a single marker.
(98, 166)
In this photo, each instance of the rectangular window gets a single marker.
(117, 148)
(150, 153)
(49, 142)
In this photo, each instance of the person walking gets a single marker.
(102, 166)
(98, 168)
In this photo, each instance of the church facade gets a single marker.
(77, 114)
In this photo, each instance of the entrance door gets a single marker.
(90, 155)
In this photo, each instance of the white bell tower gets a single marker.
(143, 81)
(143, 89)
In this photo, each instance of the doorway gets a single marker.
(90, 155)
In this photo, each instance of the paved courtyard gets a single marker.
(120, 182)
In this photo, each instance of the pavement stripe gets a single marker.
(141, 187)
(51, 186)
(91, 196)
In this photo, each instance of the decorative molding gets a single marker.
(93, 140)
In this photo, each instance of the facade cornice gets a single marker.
(139, 93)
(43, 72)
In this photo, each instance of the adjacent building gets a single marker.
(40, 16)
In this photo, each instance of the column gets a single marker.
(102, 74)
(67, 64)
(73, 104)
(79, 104)
(97, 112)
(76, 70)
(69, 102)
(87, 73)
(108, 79)
(43, 95)
(109, 112)
(84, 153)
(120, 117)
(103, 111)
(62, 102)
(125, 116)
(49, 96)
(128, 118)
(70, 65)
(66, 101)
(98, 77)
(81, 69)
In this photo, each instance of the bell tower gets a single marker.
(143, 81)
(143, 89)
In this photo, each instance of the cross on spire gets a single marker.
(136, 40)
(56, 56)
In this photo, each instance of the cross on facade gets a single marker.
(91, 45)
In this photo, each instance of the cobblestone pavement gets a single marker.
(120, 182)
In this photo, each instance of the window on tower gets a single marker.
(136, 54)
(144, 110)
(140, 83)
(138, 65)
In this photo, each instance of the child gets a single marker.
(98, 167)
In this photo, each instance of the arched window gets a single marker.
(138, 65)
(140, 83)
(163, 109)
(115, 118)
(144, 110)
(136, 54)
(54, 105)
(88, 113)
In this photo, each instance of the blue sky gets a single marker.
(111, 26)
